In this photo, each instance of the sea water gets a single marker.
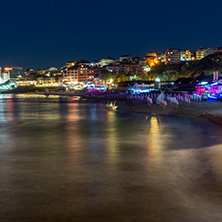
(84, 161)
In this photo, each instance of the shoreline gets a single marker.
(211, 110)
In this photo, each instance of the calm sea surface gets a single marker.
(82, 161)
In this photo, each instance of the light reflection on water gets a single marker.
(85, 162)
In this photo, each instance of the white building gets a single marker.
(210, 51)
(107, 61)
(5, 76)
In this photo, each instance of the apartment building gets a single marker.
(80, 73)
(200, 53)
(5, 75)
(185, 55)
(172, 56)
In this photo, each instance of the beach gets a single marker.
(211, 109)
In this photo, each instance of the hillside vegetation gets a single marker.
(202, 69)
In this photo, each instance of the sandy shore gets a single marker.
(211, 109)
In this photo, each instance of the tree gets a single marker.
(107, 75)
(121, 78)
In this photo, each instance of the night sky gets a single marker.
(44, 33)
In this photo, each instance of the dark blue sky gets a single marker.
(43, 33)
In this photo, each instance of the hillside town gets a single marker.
(109, 70)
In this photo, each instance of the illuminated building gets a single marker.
(6, 69)
(193, 55)
(161, 57)
(80, 73)
(185, 55)
(152, 61)
(5, 76)
(70, 64)
(85, 73)
(71, 74)
(200, 53)
(172, 56)
(107, 61)
(54, 72)
(151, 54)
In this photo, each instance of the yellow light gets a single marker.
(7, 69)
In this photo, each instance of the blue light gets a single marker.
(212, 97)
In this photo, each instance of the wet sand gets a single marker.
(210, 109)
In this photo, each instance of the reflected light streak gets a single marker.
(155, 144)
(73, 137)
(3, 111)
(9, 106)
(112, 135)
